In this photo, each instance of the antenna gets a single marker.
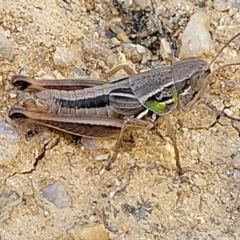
(208, 104)
(222, 48)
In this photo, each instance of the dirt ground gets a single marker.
(142, 197)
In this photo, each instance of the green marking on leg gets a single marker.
(163, 107)
(155, 106)
(174, 94)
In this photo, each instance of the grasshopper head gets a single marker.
(194, 89)
(195, 85)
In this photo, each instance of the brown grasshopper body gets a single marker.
(100, 109)
(106, 104)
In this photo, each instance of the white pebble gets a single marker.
(236, 175)
(63, 56)
(101, 157)
(56, 194)
(12, 95)
(196, 39)
(6, 46)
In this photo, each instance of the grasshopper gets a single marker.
(100, 109)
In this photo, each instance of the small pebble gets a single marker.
(56, 194)
(102, 172)
(6, 46)
(12, 95)
(63, 56)
(122, 36)
(79, 71)
(229, 171)
(115, 41)
(141, 49)
(201, 3)
(233, 84)
(166, 50)
(8, 142)
(10, 197)
(136, 53)
(218, 103)
(101, 157)
(236, 175)
(228, 112)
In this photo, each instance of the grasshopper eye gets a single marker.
(196, 82)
